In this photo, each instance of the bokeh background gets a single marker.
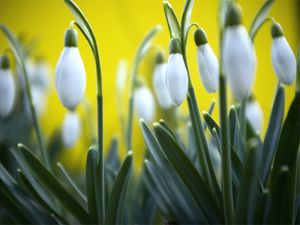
(119, 26)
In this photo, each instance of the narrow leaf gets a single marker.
(185, 20)
(116, 203)
(53, 185)
(172, 21)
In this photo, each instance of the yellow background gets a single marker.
(119, 26)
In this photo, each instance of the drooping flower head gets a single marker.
(238, 55)
(144, 103)
(70, 78)
(254, 115)
(177, 77)
(71, 129)
(283, 59)
(207, 62)
(159, 82)
(7, 87)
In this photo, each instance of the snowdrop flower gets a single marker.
(70, 76)
(176, 78)
(41, 76)
(7, 87)
(159, 82)
(122, 71)
(207, 62)
(283, 58)
(71, 129)
(254, 115)
(38, 99)
(238, 55)
(144, 103)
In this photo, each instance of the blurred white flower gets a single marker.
(30, 67)
(283, 59)
(254, 115)
(238, 55)
(71, 129)
(39, 100)
(207, 62)
(122, 71)
(144, 103)
(177, 77)
(160, 86)
(7, 88)
(41, 76)
(70, 78)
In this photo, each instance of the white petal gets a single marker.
(283, 60)
(144, 103)
(41, 76)
(160, 86)
(177, 79)
(254, 115)
(7, 92)
(208, 67)
(70, 77)
(39, 100)
(71, 129)
(122, 75)
(239, 61)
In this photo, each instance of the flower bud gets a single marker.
(283, 58)
(159, 82)
(238, 55)
(144, 103)
(71, 129)
(7, 87)
(176, 78)
(207, 62)
(70, 76)
(254, 115)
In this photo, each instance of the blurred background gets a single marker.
(120, 26)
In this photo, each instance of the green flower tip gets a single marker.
(234, 15)
(276, 30)
(4, 62)
(175, 46)
(71, 38)
(200, 37)
(159, 59)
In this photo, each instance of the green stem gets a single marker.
(226, 155)
(243, 118)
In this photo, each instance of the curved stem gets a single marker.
(271, 19)
(19, 56)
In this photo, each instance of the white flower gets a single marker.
(121, 75)
(144, 103)
(71, 129)
(70, 76)
(7, 88)
(41, 76)
(238, 61)
(254, 115)
(177, 79)
(283, 59)
(160, 86)
(208, 67)
(207, 62)
(238, 55)
(39, 100)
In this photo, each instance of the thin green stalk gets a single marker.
(19, 56)
(226, 154)
(243, 118)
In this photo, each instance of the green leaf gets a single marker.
(72, 184)
(189, 175)
(116, 205)
(272, 135)
(211, 123)
(260, 18)
(172, 21)
(28, 186)
(185, 20)
(249, 187)
(210, 111)
(112, 159)
(91, 184)
(82, 23)
(174, 185)
(53, 185)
